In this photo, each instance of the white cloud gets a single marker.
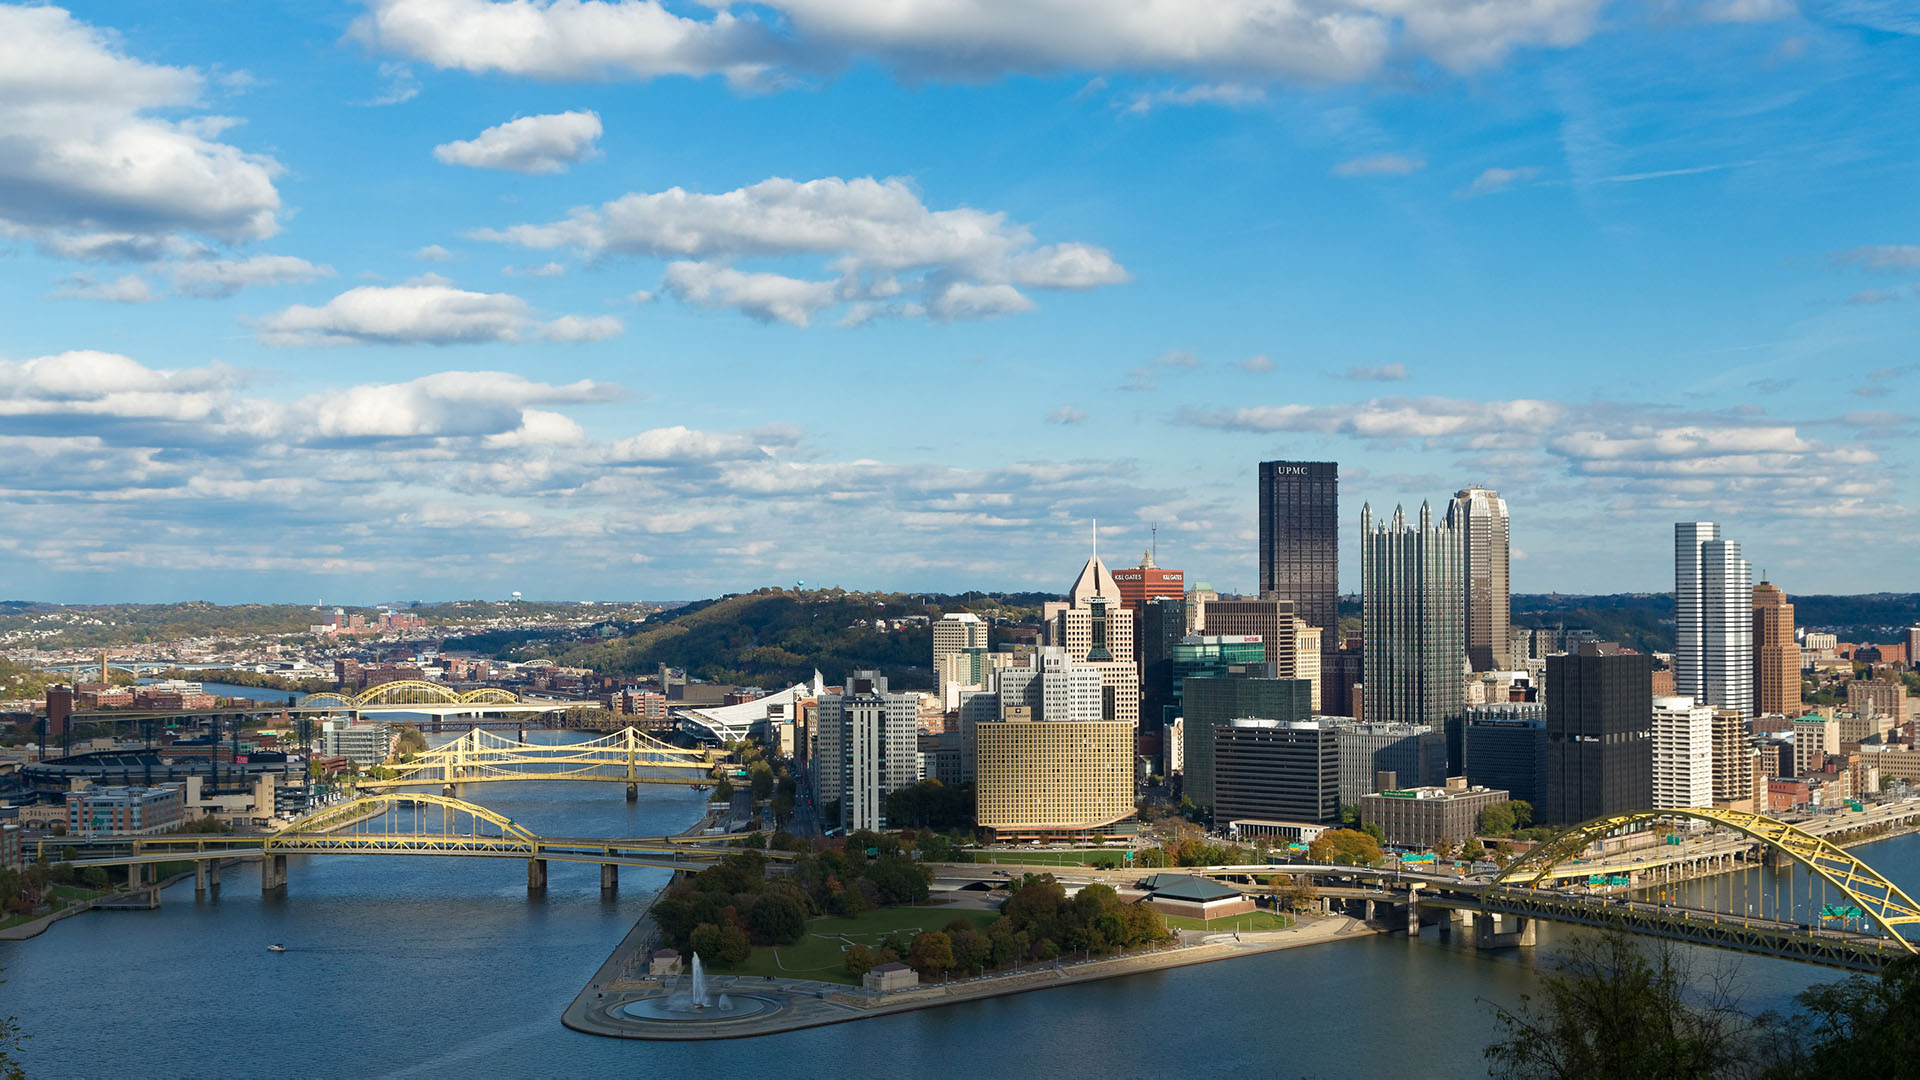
(427, 311)
(877, 236)
(530, 144)
(447, 404)
(1873, 296)
(433, 253)
(1378, 373)
(1229, 95)
(87, 170)
(125, 289)
(402, 85)
(224, 277)
(1210, 40)
(1493, 181)
(1066, 414)
(1256, 364)
(1882, 257)
(1381, 165)
(1746, 11)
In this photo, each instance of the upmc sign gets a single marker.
(1290, 470)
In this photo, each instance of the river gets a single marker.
(422, 967)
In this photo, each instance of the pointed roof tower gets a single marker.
(1095, 579)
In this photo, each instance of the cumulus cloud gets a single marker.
(433, 253)
(890, 252)
(1381, 165)
(224, 277)
(1210, 40)
(89, 171)
(125, 289)
(1494, 181)
(428, 311)
(530, 144)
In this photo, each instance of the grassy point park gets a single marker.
(821, 955)
(1247, 922)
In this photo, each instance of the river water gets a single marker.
(423, 967)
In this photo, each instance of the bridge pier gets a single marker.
(633, 792)
(273, 874)
(1413, 910)
(609, 878)
(1366, 910)
(536, 875)
(136, 876)
(200, 877)
(1488, 934)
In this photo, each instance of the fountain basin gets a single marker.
(666, 1009)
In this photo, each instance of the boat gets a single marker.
(276, 948)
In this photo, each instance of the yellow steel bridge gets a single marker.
(627, 756)
(409, 692)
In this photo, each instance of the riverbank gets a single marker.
(802, 1003)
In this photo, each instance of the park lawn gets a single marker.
(77, 892)
(1250, 921)
(819, 955)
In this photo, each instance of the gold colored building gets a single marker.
(1733, 768)
(1053, 779)
(1776, 657)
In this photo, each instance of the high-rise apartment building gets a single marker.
(1271, 770)
(1095, 629)
(1682, 754)
(1733, 763)
(1479, 515)
(1414, 605)
(1210, 703)
(1814, 737)
(1599, 734)
(1776, 656)
(1913, 647)
(1279, 629)
(1300, 543)
(866, 746)
(1713, 639)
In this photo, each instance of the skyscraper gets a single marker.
(1599, 734)
(1682, 754)
(867, 748)
(1713, 639)
(1776, 656)
(959, 653)
(1095, 629)
(1300, 544)
(1280, 630)
(1479, 515)
(1414, 604)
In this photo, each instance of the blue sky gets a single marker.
(446, 298)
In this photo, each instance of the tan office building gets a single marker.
(1293, 647)
(1776, 657)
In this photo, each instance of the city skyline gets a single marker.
(593, 329)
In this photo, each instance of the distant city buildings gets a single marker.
(1415, 753)
(1429, 816)
(1095, 629)
(126, 811)
(1292, 646)
(1214, 702)
(366, 743)
(1713, 639)
(1479, 516)
(1048, 763)
(960, 655)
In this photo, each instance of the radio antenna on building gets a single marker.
(1153, 545)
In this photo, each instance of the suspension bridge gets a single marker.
(404, 823)
(628, 756)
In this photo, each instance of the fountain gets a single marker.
(697, 1003)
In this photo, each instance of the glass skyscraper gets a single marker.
(1414, 591)
(1300, 545)
(1480, 517)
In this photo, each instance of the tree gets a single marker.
(931, 953)
(760, 781)
(858, 960)
(1345, 847)
(778, 919)
(1859, 1027)
(1498, 819)
(1349, 813)
(1522, 812)
(722, 791)
(724, 945)
(1373, 829)
(1611, 1010)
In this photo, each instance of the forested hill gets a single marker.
(1645, 620)
(775, 637)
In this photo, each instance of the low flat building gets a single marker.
(892, 975)
(1426, 817)
(1191, 897)
(1300, 832)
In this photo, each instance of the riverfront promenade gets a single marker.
(804, 1003)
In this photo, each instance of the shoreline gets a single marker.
(805, 1003)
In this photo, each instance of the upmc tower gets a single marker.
(1300, 545)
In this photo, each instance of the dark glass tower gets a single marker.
(1300, 548)
(1599, 734)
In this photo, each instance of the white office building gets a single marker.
(868, 747)
(1682, 754)
(1713, 595)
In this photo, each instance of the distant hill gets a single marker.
(776, 637)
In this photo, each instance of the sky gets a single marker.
(624, 299)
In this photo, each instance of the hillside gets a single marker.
(776, 637)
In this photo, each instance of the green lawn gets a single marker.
(819, 954)
(77, 892)
(1251, 921)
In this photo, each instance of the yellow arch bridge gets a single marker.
(412, 823)
(628, 756)
(411, 692)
